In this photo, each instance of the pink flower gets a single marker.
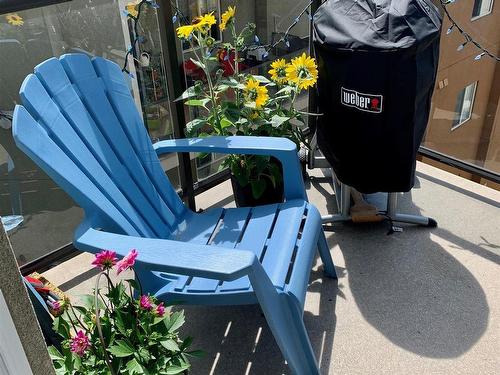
(105, 260)
(56, 306)
(160, 310)
(145, 303)
(127, 262)
(79, 344)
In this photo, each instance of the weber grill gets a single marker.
(377, 70)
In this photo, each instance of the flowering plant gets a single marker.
(244, 104)
(117, 333)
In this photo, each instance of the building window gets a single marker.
(465, 104)
(482, 8)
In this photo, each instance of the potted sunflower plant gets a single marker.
(232, 102)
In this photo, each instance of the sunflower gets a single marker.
(302, 72)
(14, 19)
(132, 8)
(204, 23)
(278, 71)
(184, 32)
(254, 92)
(227, 17)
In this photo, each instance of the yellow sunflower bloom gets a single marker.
(278, 71)
(204, 23)
(302, 72)
(184, 32)
(254, 92)
(132, 8)
(227, 17)
(14, 19)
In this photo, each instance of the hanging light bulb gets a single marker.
(478, 57)
(462, 46)
(450, 30)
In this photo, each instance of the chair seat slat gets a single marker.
(281, 245)
(254, 239)
(196, 229)
(233, 222)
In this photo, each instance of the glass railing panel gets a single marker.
(41, 216)
(465, 116)
(272, 18)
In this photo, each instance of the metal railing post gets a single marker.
(172, 66)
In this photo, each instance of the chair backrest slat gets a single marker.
(119, 95)
(62, 133)
(39, 146)
(88, 112)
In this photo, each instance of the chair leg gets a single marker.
(284, 318)
(326, 257)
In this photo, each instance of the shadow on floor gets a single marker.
(237, 339)
(411, 289)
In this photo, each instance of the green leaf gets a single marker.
(189, 93)
(120, 323)
(88, 301)
(186, 343)
(133, 367)
(277, 120)
(61, 326)
(258, 188)
(198, 63)
(193, 126)
(285, 90)
(196, 353)
(172, 370)
(54, 353)
(134, 284)
(170, 345)
(261, 79)
(198, 102)
(225, 123)
(121, 349)
(176, 321)
(144, 355)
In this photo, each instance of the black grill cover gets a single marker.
(377, 69)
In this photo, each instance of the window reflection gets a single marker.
(46, 216)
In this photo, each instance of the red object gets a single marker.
(192, 70)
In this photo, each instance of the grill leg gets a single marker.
(392, 205)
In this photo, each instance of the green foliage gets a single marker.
(138, 340)
(225, 106)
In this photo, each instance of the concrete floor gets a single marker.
(418, 302)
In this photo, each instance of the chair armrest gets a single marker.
(170, 256)
(281, 148)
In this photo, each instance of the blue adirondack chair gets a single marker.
(80, 124)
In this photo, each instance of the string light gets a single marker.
(468, 38)
(285, 37)
(138, 38)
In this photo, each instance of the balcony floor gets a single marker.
(425, 301)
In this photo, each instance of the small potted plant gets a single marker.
(120, 330)
(231, 102)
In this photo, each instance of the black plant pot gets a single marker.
(244, 198)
